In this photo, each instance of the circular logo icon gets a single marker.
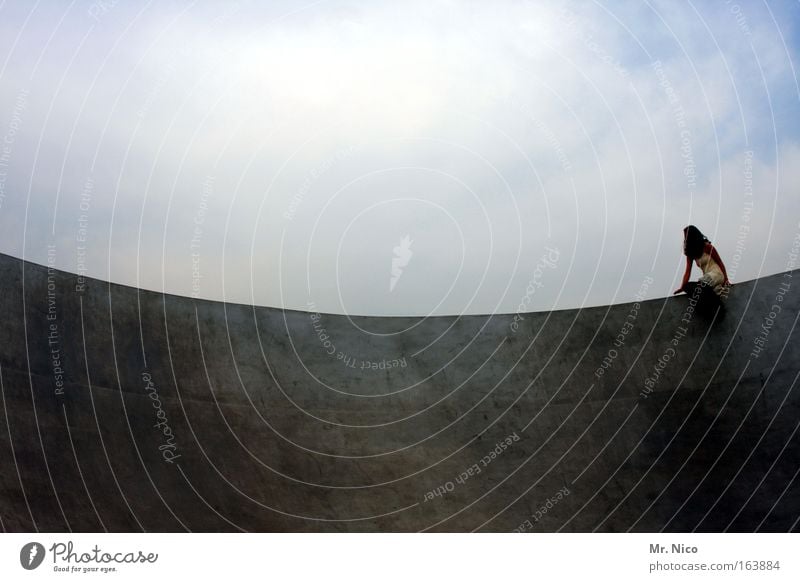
(31, 555)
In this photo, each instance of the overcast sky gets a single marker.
(426, 157)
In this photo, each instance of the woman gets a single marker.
(698, 248)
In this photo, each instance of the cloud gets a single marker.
(330, 131)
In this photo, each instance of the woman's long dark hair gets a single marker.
(693, 242)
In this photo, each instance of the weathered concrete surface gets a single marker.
(274, 433)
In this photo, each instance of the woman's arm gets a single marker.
(718, 259)
(686, 276)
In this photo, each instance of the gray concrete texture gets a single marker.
(129, 410)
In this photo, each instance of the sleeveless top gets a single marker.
(707, 264)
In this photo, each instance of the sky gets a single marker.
(399, 158)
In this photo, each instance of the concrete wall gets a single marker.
(285, 421)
